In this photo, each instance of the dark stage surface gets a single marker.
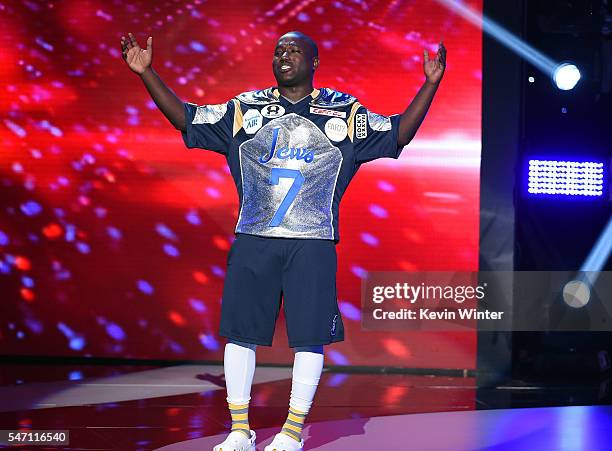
(183, 408)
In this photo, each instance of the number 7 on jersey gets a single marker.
(298, 180)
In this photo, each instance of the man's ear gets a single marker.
(315, 63)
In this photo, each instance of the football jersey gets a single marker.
(291, 162)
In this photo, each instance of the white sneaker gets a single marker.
(282, 442)
(237, 441)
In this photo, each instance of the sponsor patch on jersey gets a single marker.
(324, 112)
(361, 126)
(272, 111)
(336, 129)
(252, 121)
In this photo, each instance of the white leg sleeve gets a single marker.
(239, 366)
(307, 368)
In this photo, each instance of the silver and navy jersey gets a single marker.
(291, 162)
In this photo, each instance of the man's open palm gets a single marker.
(137, 58)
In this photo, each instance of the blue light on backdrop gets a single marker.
(567, 178)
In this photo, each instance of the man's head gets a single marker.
(296, 57)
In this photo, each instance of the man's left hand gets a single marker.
(434, 68)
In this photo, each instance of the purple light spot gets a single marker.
(43, 44)
(67, 331)
(27, 282)
(100, 212)
(83, 248)
(171, 250)
(133, 120)
(4, 239)
(209, 342)
(378, 211)
(114, 233)
(75, 375)
(4, 268)
(359, 271)
(198, 46)
(337, 357)
(369, 239)
(349, 311)
(88, 159)
(386, 186)
(63, 180)
(34, 326)
(336, 380)
(193, 217)
(212, 192)
(303, 17)
(17, 167)
(145, 287)
(115, 331)
(20, 335)
(29, 184)
(150, 104)
(176, 348)
(15, 128)
(197, 305)
(217, 271)
(31, 208)
(129, 109)
(77, 343)
(165, 231)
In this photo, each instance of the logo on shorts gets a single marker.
(333, 328)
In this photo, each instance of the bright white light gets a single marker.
(576, 294)
(566, 76)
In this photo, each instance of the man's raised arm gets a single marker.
(139, 61)
(412, 118)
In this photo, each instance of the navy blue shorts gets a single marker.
(262, 270)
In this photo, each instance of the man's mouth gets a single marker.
(284, 68)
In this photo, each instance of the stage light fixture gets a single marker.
(566, 76)
(568, 178)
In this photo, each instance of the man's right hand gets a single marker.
(137, 59)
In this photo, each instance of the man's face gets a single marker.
(293, 62)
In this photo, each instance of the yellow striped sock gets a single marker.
(294, 424)
(240, 418)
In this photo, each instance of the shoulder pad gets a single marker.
(260, 97)
(331, 98)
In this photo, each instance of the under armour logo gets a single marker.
(272, 111)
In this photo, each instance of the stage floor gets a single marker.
(182, 408)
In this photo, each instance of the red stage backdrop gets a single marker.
(113, 236)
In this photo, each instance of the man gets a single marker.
(292, 151)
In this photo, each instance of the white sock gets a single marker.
(307, 368)
(239, 366)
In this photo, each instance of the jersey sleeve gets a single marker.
(209, 126)
(375, 136)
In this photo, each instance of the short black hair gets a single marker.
(304, 37)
